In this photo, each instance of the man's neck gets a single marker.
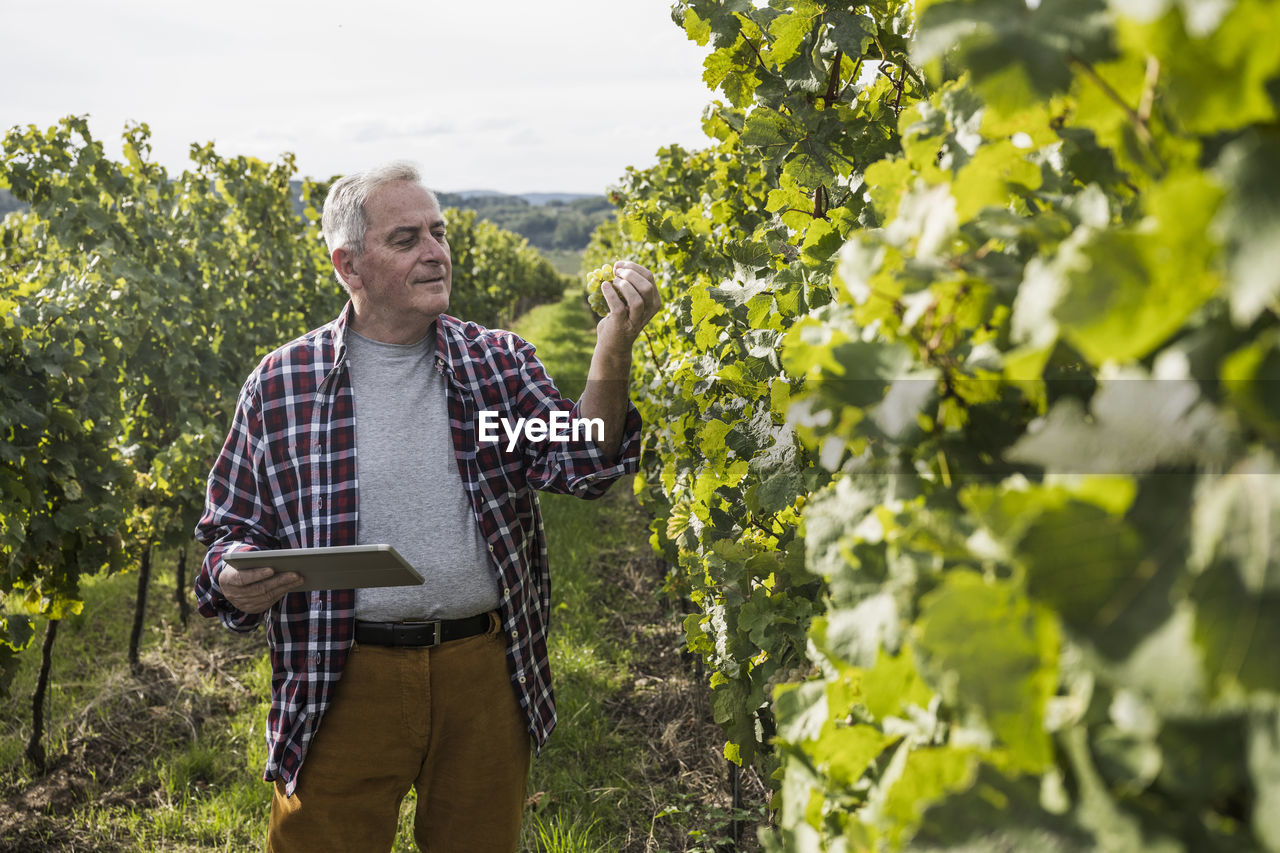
(391, 330)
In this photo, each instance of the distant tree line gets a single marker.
(557, 224)
(554, 225)
(8, 202)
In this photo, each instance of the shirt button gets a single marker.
(315, 660)
(506, 593)
(515, 635)
(522, 679)
(490, 549)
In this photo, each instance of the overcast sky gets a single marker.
(533, 96)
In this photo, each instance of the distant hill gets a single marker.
(8, 202)
(535, 199)
(546, 220)
(550, 221)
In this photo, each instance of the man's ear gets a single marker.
(344, 264)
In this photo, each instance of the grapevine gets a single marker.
(965, 449)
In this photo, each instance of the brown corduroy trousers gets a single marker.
(442, 720)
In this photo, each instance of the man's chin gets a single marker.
(437, 304)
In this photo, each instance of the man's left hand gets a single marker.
(633, 299)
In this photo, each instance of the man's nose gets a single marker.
(433, 249)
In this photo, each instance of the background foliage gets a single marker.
(557, 223)
(961, 423)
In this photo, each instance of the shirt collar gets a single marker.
(448, 349)
(340, 326)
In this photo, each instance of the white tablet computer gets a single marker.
(339, 567)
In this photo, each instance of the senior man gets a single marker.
(364, 431)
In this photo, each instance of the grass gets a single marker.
(566, 261)
(554, 836)
(635, 763)
(167, 758)
(170, 758)
(574, 779)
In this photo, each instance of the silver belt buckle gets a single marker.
(435, 631)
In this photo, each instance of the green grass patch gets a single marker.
(166, 758)
(566, 261)
(575, 779)
(563, 334)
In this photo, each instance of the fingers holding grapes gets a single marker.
(624, 292)
(595, 294)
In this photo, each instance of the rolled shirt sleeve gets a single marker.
(236, 515)
(577, 466)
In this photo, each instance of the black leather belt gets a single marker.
(420, 633)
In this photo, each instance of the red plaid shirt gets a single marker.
(286, 478)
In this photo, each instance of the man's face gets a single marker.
(403, 277)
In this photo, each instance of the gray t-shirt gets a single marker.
(410, 491)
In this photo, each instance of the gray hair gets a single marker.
(344, 220)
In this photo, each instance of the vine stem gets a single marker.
(834, 79)
(756, 49)
(853, 78)
(821, 202)
(1138, 122)
(35, 745)
(1149, 90)
(660, 366)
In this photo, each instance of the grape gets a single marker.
(598, 304)
(595, 296)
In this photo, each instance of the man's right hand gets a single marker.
(255, 590)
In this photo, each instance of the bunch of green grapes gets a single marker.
(595, 297)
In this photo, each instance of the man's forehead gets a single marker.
(400, 204)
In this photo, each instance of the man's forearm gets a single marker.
(607, 394)
(633, 299)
